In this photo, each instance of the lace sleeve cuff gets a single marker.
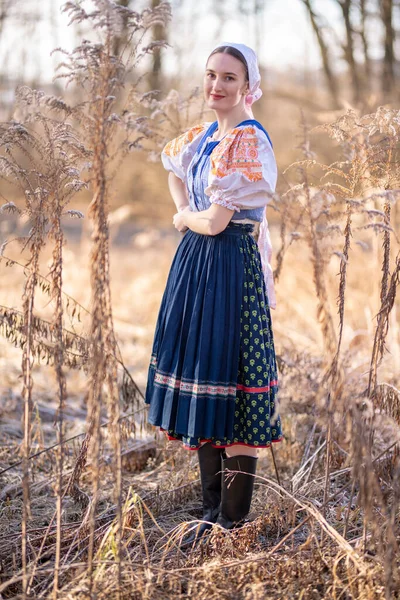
(219, 197)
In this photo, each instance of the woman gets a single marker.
(213, 378)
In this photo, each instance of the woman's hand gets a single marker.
(179, 220)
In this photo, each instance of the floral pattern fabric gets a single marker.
(178, 153)
(238, 152)
(177, 145)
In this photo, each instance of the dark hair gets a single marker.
(233, 52)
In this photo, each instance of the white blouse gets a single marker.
(242, 176)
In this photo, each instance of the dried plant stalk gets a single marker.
(382, 327)
(47, 186)
(318, 259)
(102, 73)
(37, 241)
(57, 326)
(386, 252)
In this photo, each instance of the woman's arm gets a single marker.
(178, 191)
(207, 222)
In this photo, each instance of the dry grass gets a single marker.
(93, 504)
(159, 498)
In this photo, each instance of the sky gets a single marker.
(286, 37)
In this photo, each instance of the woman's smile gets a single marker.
(224, 83)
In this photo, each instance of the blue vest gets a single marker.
(198, 170)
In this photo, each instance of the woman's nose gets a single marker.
(217, 84)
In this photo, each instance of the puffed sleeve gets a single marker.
(178, 153)
(243, 170)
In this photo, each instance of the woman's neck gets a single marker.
(227, 122)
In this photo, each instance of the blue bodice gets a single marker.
(197, 175)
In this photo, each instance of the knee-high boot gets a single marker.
(211, 481)
(237, 490)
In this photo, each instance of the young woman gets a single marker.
(213, 378)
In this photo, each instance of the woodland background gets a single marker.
(92, 501)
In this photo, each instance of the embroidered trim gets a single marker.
(257, 390)
(175, 146)
(212, 389)
(237, 152)
(187, 447)
(280, 439)
(193, 387)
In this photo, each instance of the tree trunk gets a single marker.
(331, 79)
(5, 6)
(348, 48)
(365, 44)
(388, 60)
(254, 9)
(119, 41)
(159, 33)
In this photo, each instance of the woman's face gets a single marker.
(225, 84)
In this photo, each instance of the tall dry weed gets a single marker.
(40, 157)
(56, 151)
(345, 199)
(102, 75)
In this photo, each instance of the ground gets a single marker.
(161, 489)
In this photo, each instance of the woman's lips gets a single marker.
(216, 96)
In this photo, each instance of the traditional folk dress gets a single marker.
(213, 373)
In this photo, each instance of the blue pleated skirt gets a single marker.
(213, 373)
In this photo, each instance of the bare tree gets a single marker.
(348, 48)
(5, 6)
(158, 33)
(256, 9)
(120, 40)
(364, 40)
(386, 7)
(356, 16)
(326, 60)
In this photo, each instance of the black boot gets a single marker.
(237, 490)
(211, 482)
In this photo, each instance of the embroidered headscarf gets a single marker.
(250, 57)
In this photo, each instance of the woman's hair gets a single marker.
(233, 52)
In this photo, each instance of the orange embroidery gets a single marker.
(175, 146)
(238, 151)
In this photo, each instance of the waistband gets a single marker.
(238, 228)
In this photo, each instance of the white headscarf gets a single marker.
(252, 66)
